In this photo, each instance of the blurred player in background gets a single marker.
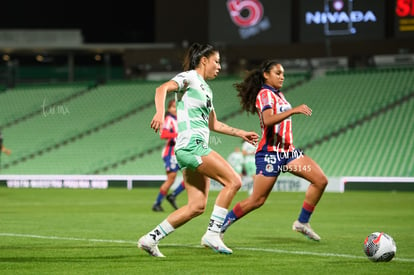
(249, 164)
(3, 149)
(196, 117)
(260, 93)
(236, 160)
(169, 132)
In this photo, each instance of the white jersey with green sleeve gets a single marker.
(194, 101)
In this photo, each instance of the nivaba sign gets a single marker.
(341, 19)
(250, 22)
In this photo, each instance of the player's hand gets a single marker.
(157, 122)
(251, 137)
(303, 109)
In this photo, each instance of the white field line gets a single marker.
(270, 250)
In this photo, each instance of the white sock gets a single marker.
(161, 231)
(217, 219)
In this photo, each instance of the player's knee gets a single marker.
(232, 183)
(197, 209)
(322, 181)
(237, 183)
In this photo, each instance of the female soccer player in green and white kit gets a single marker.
(196, 117)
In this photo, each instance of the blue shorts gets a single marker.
(270, 164)
(171, 164)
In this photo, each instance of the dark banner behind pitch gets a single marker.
(250, 22)
(342, 20)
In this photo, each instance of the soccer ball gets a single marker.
(379, 247)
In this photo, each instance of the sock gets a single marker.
(161, 231)
(306, 212)
(160, 197)
(216, 219)
(235, 214)
(179, 189)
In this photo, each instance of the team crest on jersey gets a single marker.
(269, 168)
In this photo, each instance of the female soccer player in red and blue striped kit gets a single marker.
(169, 132)
(260, 93)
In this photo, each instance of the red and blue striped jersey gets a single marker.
(169, 132)
(278, 137)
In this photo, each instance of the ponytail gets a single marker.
(252, 84)
(194, 54)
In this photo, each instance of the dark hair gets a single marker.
(251, 85)
(170, 103)
(194, 54)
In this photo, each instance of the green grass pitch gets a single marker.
(83, 231)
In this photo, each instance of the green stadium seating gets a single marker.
(361, 124)
(27, 99)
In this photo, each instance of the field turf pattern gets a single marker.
(84, 231)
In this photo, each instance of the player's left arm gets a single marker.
(220, 127)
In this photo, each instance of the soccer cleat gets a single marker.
(157, 208)
(215, 242)
(149, 246)
(306, 230)
(222, 236)
(171, 199)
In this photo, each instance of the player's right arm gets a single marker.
(160, 95)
